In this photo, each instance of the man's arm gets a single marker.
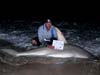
(40, 34)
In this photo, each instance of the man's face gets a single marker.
(48, 25)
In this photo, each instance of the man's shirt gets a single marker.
(44, 34)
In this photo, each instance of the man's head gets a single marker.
(48, 24)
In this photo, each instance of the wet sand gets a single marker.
(86, 68)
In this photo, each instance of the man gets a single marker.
(46, 34)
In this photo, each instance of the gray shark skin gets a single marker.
(13, 56)
(70, 51)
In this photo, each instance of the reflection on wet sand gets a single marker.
(86, 68)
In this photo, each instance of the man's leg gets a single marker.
(51, 41)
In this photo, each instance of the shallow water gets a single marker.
(20, 33)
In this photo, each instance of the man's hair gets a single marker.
(48, 20)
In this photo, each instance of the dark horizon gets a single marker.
(70, 18)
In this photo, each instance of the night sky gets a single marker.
(78, 18)
(58, 14)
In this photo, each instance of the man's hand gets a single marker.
(50, 46)
(34, 42)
